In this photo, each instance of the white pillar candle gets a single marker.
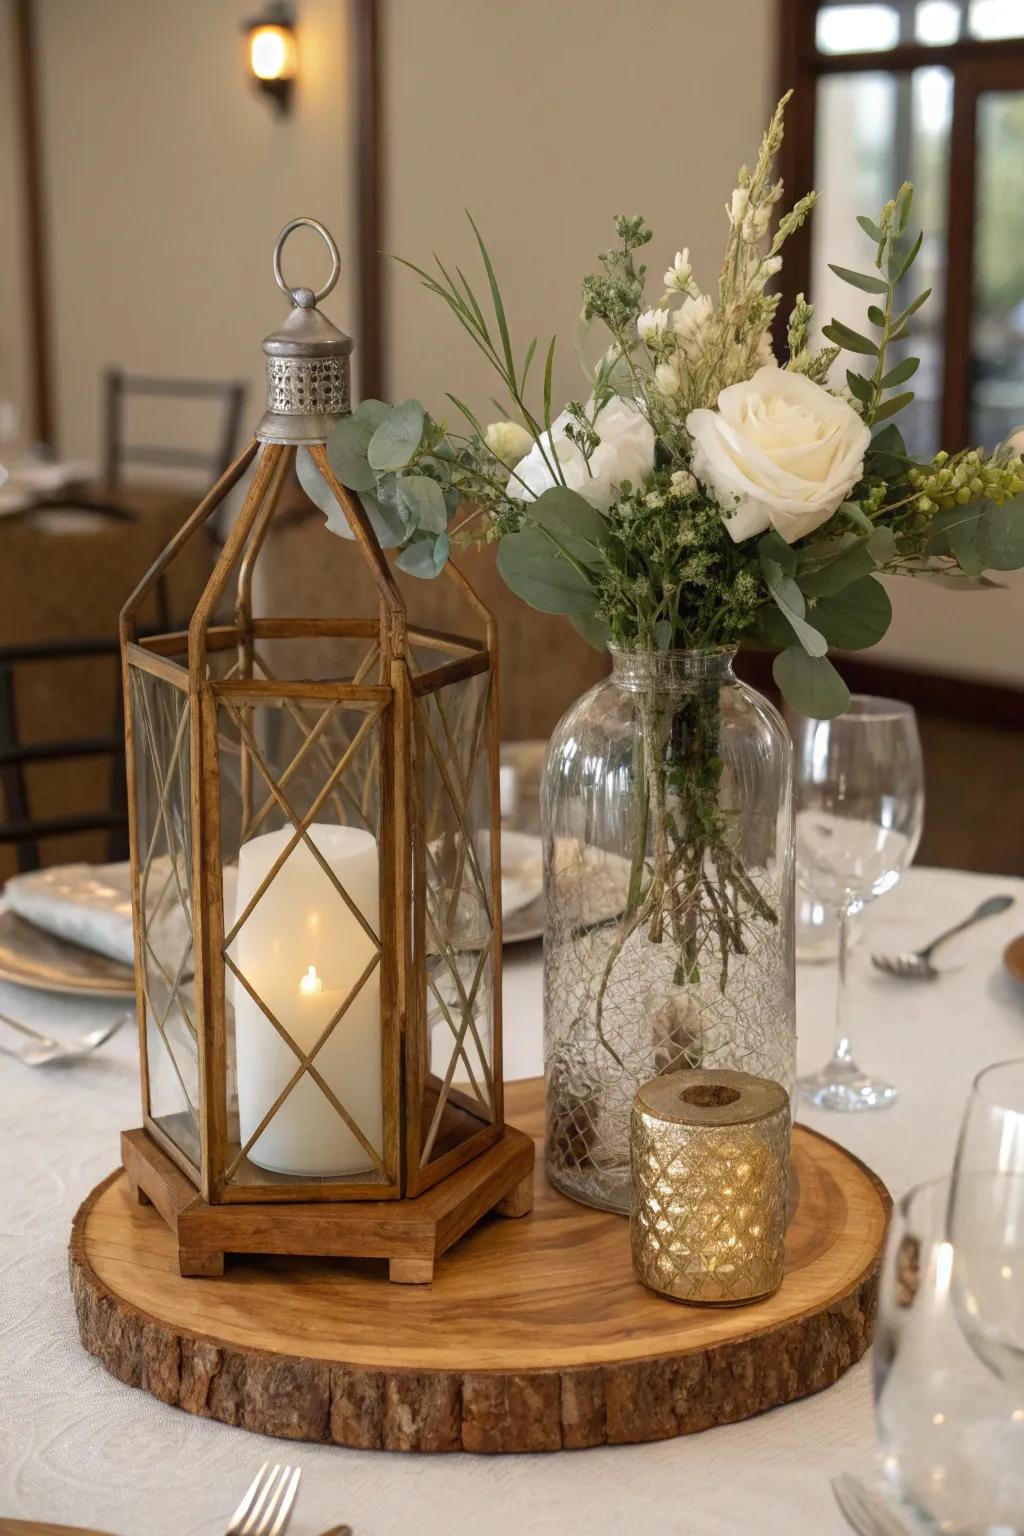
(303, 950)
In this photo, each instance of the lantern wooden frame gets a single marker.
(416, 1204)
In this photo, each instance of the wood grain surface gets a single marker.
(534, 1336)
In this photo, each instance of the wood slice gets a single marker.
(535, 1335)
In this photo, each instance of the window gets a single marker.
(930, 91)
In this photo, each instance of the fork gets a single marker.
(916, 965)
(267, 1503)
(43, 1052)
(865, 1512)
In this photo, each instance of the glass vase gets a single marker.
(668, 842)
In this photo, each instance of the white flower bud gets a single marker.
(679, 273)
(738, 206)
(508, 441)
(689, 321)
(650, 326)
(771, 265)
(666, 380)
(683, 483)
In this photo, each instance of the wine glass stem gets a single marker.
(842, 1050)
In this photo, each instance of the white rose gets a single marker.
(625, 452)
(782, 448)
(1011, 448)
(508, 441)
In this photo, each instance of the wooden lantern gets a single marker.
(317, 891)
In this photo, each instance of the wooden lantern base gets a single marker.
(410, 1234)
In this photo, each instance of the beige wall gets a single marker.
(167, 180)
(168, 177)
(546, 118)
(14, 376)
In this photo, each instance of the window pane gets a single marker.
(857, 28)
(938, 21)
(997, 329)
(996, 18)
(876, 131)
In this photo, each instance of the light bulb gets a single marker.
(272, 52)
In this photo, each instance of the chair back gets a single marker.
(53, 667)
(212, 462)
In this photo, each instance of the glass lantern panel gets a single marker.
(160, 722)
(300, 839)
(458, 927)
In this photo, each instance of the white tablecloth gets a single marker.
(78, 1447)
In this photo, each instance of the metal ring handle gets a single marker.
(328, 240)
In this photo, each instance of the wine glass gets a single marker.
(986, 1221)
(951, 1431)
(859, 792)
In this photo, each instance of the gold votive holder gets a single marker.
(710, 1162)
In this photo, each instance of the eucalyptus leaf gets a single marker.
(397, 438)
(371, 413)
(882, 545)
(774, 547)
(572, 522)
(869, 227)
(346, 453)
(313, 482)
(770, 630)
(860, 387)
(531, 566)
(1001, 536)
(954, 531)
(421, 502)
(855, 617)
(810, 684)
(594, 630)
(902, 372)
(836, 574)
(384, 521)
(790, 600)
(893, 405)
(425, 557)
(855, 514)
(862, 280)
(850, 341)
(909, 259)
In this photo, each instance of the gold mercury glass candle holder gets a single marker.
(710, 1161)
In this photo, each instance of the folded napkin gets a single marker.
(87, 904)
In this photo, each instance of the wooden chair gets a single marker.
(19, 827)
(118, 386)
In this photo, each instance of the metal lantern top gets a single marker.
(308, 384)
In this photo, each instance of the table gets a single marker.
(78, 1447)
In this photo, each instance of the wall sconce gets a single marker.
(271, 52)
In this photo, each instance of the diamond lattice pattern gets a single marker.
(459, 919)
(162, 759)
(302, 945)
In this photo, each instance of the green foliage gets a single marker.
(531, 564)
(892, 263)
(810, 684)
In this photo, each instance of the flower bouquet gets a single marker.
(709, 489)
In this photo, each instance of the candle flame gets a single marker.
(310, 983)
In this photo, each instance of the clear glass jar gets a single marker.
(668, 841)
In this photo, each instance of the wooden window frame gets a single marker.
(976, 67)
